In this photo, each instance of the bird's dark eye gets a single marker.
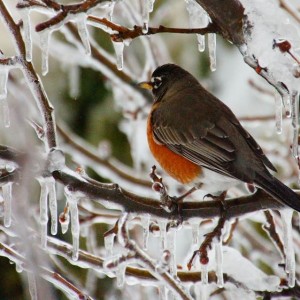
(157, 81)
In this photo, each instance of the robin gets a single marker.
(198, 140)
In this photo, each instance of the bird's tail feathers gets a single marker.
(278, 190)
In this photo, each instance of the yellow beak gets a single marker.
(146, 85)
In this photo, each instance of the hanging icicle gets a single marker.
(83, 32)
(295, 123)
(25, 13)
(44, 44)
(198, 18)
(278, 113)
(119, 49)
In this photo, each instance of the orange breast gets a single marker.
(175, 165)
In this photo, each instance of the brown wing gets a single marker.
(206, 132)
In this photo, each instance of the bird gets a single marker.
(198, 140)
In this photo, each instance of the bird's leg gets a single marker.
(220, 197)
(209, 237)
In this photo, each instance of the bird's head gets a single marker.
(165, 77)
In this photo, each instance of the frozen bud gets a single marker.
(283, 45)
(204, 260)
(157, 187)
(80, 170)
(166, 257)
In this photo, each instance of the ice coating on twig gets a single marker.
(7, 198)
(25, 13)
(83, 32)
(290, 265)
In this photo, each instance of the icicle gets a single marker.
(211, 40)
(145, 220)
(4, 111)
(204, 274)
(19, 268)
(43, 212)
(64, 220)
(74, 81)
(195, 233)
(120, 273)
(75, 227)
(163, 234)
(204, 282)
(109, 244)
(44, 44)
(171, 241)
(147, 9)
(50, 182)
(7, 197)
(3, 81)
(32, 286)
(295, 122)
(83, 32)
(286, 99)
(163, 293)
(198, 19)
(290, 267)
(111, 10)
(278, 113)
(164, 262)
(27, 32)
(219, 263)
(119, 49)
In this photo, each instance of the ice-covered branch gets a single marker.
(124, 33)
(32, 78)
(130, 202)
